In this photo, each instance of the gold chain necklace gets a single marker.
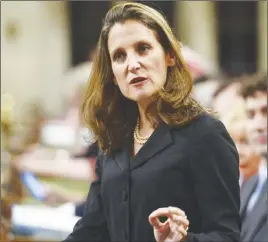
(141, 140)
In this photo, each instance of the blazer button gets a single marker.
(124, 196)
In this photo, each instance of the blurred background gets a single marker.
(47, 47)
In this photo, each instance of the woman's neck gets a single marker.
(145, 125)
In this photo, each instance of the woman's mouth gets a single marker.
(138, 81)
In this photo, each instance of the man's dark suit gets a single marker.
(193, 167)
(253, 223)
(262, 235)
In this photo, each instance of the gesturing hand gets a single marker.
(173, 229)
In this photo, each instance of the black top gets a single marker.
(193, 167)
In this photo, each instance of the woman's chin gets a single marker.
(142, 97)
(146, 94)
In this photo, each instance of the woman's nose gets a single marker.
(133, 64)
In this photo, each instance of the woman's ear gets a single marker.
(170, 59)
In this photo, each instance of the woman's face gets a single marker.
(248, 160)
(139, 62)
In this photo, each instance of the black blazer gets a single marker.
(193, 167)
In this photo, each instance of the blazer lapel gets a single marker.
(159, 140)
(122, 157)
(246, 192)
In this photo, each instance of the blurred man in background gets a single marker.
(230, 108)
(254, 191)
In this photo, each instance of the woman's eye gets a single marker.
(118, 56)
(143, 48)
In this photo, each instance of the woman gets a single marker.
(167, 170)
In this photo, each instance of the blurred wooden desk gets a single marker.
(4, 233)
(54, 163)
(68, 179)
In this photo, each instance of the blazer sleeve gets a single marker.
(214, 169)
(92, 226)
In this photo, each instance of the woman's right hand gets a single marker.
(173, 229)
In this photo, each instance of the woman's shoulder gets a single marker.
(201, 126)
(206, 122)
(205, 133)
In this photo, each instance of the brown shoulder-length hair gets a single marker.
(112, 117)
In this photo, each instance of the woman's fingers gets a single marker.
(177, 211)
(167, 211)
(154, 218)
(160, 212)
(177, 220)
(177, 229)
(182, 231)
(180, 220)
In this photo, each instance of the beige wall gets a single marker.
(34, 51)
(196, 27)
(262, 36)
(203, 37)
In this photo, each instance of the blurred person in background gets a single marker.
(55, 196)
(225, 97)
(61, 138)
(198, 65)
(254, 192)
(60, 163)
(230, 107)
(77, 167)
(51, 157)
(75, 80)
(203, 90)
(72, 205)
(248, 160)
(202, 71)
(162, 154)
